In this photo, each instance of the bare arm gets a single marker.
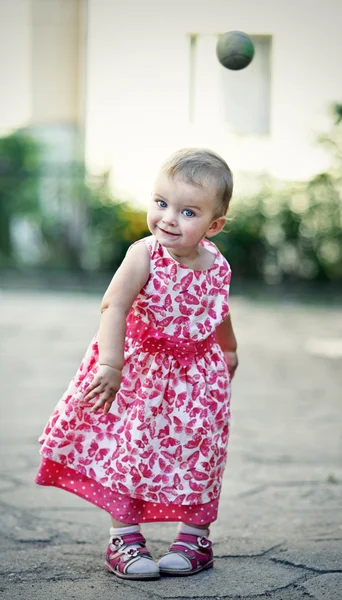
(126, 284)
(226, 339)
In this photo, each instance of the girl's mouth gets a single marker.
(169, 232)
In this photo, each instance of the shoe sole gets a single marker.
(136, 576)
(182, 573)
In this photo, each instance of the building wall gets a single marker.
(136, 94)
(15, 65)
(138, 84)
(55, 84)
(58, 48)
(42, 70)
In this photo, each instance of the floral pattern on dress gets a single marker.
(165, 437)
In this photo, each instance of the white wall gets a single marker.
(55, 61)
(42, 71)
(15, 72)
(138, 80)
(138, 84)
(57, 77)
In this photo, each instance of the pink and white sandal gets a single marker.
(196, 550)
(121, 555)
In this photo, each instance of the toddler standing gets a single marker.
(142, 429)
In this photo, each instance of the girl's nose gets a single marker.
(169, 218)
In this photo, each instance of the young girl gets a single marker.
(142, 430)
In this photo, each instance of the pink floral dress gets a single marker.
(160, 453)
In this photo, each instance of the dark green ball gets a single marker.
(235, 50)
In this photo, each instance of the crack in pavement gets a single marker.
(300, 566)
(328, 539)
(260, 554)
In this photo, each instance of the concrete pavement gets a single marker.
(279, 532)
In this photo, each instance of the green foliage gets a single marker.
(19, 159)
(112, 227)
(293, 231)
(337, 113)
(282, 232)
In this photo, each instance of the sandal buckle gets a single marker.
(203, 542)
(117, 542)
(132, 552)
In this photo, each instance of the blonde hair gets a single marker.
(199, 166)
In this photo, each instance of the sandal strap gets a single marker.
(122, 559)
(195, 549)
(127, 539)
(125, 550)
(128, 553)
(200, 542)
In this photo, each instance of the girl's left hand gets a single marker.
(232, 362)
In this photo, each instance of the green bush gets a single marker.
(19, 160)
(293, 231)
(283, 232)
(113, 226)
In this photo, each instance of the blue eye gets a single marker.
(188, 213)
(161, 203)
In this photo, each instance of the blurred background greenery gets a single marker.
(58, 217)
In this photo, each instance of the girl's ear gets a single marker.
(216, 226)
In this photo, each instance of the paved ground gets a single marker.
(279, 533)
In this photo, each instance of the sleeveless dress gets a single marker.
(160, 453)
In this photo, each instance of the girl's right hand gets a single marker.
(105, 385)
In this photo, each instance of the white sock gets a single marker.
(143, 565)
(124, 530)
(182, 528)
(175, 561)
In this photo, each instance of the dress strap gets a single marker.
(151, 243)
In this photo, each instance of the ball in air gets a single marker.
(235, 50)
